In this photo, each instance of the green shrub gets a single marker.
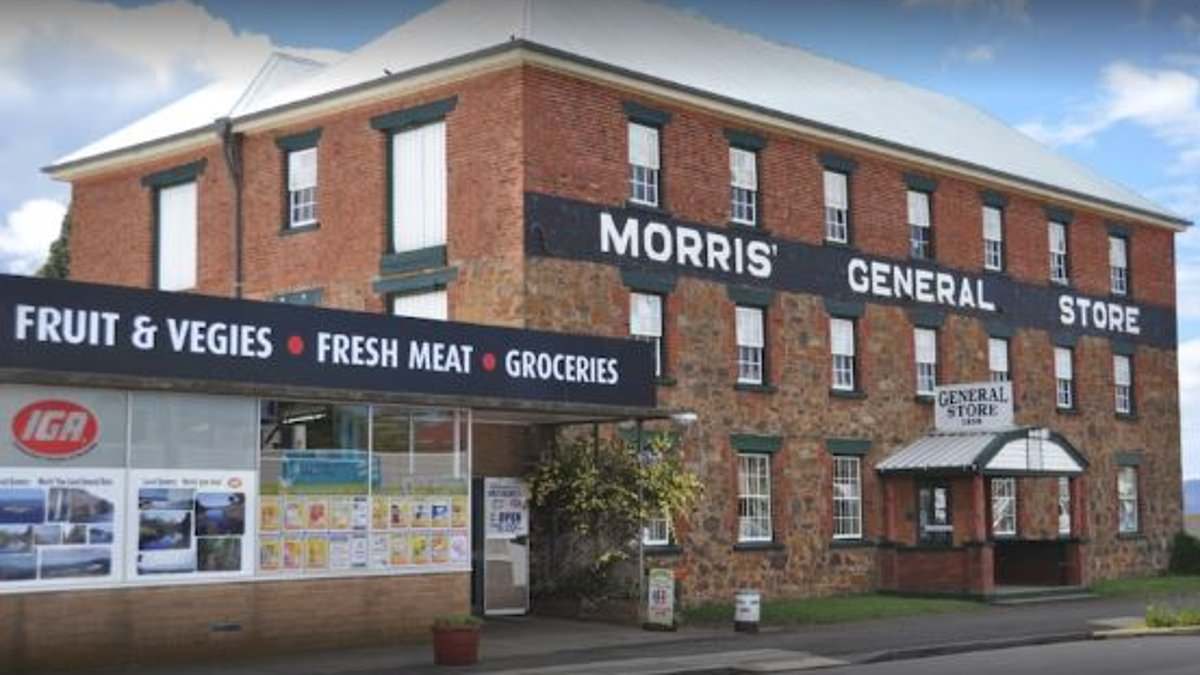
(1185, 554)
(1162, 616)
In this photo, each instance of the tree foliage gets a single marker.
(590, 499)
(58, 263)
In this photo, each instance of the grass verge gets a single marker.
(838, 609)
(1171, 584)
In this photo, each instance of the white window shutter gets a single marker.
(998, 355)
(1058, 238)
(645, 314)
(743, 168)
(991, 224)
(926, 345)
(1117, 255)
(749, 327)
(841, 337)
(419, 187)
(302, 169)
(177, 237)
(431, 305)
(1063, 368)
(918, 208)
(643, 145)
(835, 189)
(1122, 375)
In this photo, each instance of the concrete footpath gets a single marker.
(544, 646)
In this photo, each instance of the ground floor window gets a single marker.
(754, 497)
(1064, 506)
(935, 523)
(1127, 499)
(1004, 507)
(847, 498)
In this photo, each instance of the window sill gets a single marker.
(1060, 284)
(853, 543)
(924, 399)
(661, 549)
(837, 244)
(853, 394)
(647, 208)
(299, 229)
(742, 546)
(1067, 411)
(751, 227)
(1126, 417)
(1130, 536)
(995, 273)
(755, 388)
(665, 381)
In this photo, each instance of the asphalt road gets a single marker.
(1140, 656)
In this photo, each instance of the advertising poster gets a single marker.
(460, 548)
(399, 552)
(439, 512)
(419, 546)
(380, 513)
(295, 515)
(341, 513)
(360, 513)
(458, 511)
(317, 552)
(505, 508)
(359, 551)
(660, 598)
(270, 511)
(191, 523)
(401, 513)
(270, 553)
(380, 550)
(339, 552)
(293, 553)
(60, 526)
(318, 513)
(422, 515)
(440, 548)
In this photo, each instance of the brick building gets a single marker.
(811, 250)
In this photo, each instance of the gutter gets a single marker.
(231, 150)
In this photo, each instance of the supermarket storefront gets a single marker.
(185, 473)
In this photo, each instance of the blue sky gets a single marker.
(1114, 84)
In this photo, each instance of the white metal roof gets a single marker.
(1016, 450)
(680, 49)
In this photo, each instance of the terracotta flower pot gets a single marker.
(455, 645)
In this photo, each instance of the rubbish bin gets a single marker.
(746, 611)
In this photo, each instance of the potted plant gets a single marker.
(456, 640)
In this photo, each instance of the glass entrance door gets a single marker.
(505, 546)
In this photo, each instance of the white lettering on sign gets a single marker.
(886, 280)
(982, 406)
(340, 349)
(219, 338)
(439, 357)
(530, 365)
(63, 325)
(687, 247)
(1086, 313)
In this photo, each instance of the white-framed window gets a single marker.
(1123, 383)
(837, 207)
(1118, 265)
(743, 172)
(998, 360)
(177, 239)
(1004, 507)
(993, 239)
(1058, 253)
(1127, 499)
(657, 531)
(646, 324)
(841, 347)
(920, 230)
(302, 187)
(925, 351)
(750, 344)
(754, 497)
(644, 164)
(419, 187)
(847, 497)
(1064, 506)
(1064, 377)
(428, 305)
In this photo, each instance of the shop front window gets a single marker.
(936, 519)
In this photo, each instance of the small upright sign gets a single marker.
(978, 406)
(660, 599)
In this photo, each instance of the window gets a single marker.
(1064, 377)
(1123, 383)
(998, 360)
(428, 305)
(750, 345)
(1004, 507)
(925, 344)
(302, 187)
(419, 187)
(1127, 498)
(754, 497)
(920, 229)
(1064, 506)
(643, 164)
(841, 346)
(646, 324)
(936, 524)
(847, 498)
(1058, 253)
(743, 170)
(993, 239)
(837, 208)
(657, 531)
(177, 237)
(1118, 265)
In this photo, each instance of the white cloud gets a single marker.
(27, 233)
(1189, 405)
(976, 54)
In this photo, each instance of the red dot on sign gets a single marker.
(295, 345)
(489, 362)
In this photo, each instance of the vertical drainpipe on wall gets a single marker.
(231, 150)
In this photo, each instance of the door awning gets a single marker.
(1016, 451)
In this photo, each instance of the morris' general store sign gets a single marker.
(86, 328)
(637, 238)
(979, 406)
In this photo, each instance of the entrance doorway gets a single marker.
(502, 546)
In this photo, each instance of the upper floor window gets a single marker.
(1118, 265)
(920, 230)
(419, 187)
(754, 497)
(998, 368)
(750, 344)
(427, 305)
(1123, 383)
(657, 531)
(993, 239)
(302, 187)
(1064, 378)
(841, 347)
(847, 497)
(925, 348)
(644, 164)
(837, 207)
(1004, 507)
(177, 238)
(1058, 253)
(646, 324)
(743, 170)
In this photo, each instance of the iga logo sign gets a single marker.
(55, 429)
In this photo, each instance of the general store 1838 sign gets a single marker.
(977, 406)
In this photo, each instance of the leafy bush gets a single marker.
(1185, 554)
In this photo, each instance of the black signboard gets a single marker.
(87, 328)
(634, 238)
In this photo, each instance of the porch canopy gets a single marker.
(1017, 451)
